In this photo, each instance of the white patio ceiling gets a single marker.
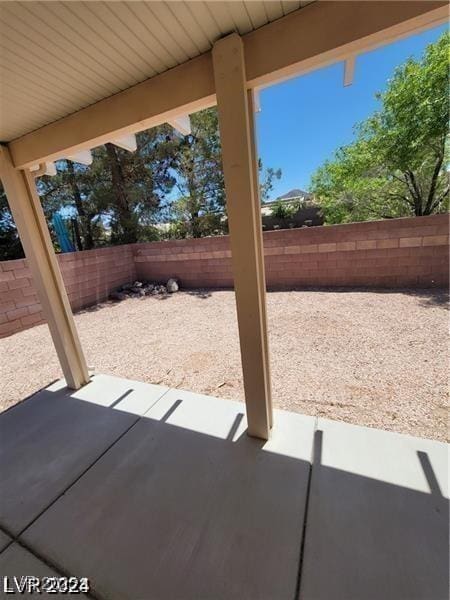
(59, 57)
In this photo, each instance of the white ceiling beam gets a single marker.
(51, 169)
(349, 70)
(84, 157)
(127, 142)
(257, 100)
(48, 168)
(38, 170)
(182, 124)
(315, 36)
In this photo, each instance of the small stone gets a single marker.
(172, 286)
(137, 284)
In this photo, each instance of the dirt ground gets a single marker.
(372, 358)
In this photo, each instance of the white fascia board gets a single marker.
(182, 124)
(128, 142)
(349, 70)
(84, 157)
(257, 100)
(50, 169)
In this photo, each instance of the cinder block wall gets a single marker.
(397, 253)
(89, 277)
(393, 253)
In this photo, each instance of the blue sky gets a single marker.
(305, 119)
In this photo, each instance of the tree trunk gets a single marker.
(76, 234)
(433, 185)
(126, 219)
(415, 193)
(193, 203)
(84, 217)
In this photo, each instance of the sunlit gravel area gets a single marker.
(372, 358)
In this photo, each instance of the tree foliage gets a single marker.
(196, 164)
(10, 246)
(116, 199)
(171, 186)
(200, 208)
(285, 210)
(397, 163)
(266, 180)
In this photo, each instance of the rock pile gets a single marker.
(138, 289)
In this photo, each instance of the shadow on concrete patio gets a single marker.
(157, 493)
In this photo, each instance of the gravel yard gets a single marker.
(371, 358)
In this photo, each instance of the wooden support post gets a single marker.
(235, 109)
(252, 109)
(20, 189)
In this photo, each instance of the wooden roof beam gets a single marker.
(306, 39)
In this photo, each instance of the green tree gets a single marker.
(285, 210)
(71, 189)
(115, 200)
(397, 164)
(10, 246)
(196, 163)
(200, 209)
(129, 186)
(121, 197)
(266, 180)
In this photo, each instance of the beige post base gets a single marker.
(29, 217)
(239, 166)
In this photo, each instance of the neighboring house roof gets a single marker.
(295, 193)
(291, 196)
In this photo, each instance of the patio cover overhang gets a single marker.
(306, 39)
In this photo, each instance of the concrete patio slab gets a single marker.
(176, 501)
(17, 562)
(126, 395)
(186, 505)
(377, 523)
(4, 540)
(226, 420)
(50, 439)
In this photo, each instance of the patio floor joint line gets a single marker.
(55, 567)
(16, 538)
(89, 466)
(305, 516)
